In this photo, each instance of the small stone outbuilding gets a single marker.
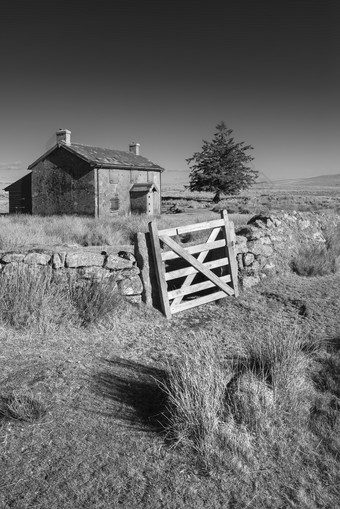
(78, 179)
(20, 195)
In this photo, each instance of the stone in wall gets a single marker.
(126, 273)
(37, 259)
(131, 286)
(84, 259)
(9, 269)
(58, 260)
(93, 272)
(116, 262)
(12, 257)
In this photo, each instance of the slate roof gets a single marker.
(105, 157)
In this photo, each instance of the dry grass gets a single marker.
(233, 397)
(103, 404)
(319, 260)
(261, 199)
(21, 406)
(24, 231)
(31, 299)
(214, 404)
(195, 390)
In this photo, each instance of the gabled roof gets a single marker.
(104, 157)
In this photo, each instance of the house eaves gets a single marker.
(98, 157)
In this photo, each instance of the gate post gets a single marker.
(160, 270)
(230, 252)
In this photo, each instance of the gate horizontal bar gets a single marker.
(170, 232)
(197, 302)
(199, 248)
(175, 274)
(187, 290)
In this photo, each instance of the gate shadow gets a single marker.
(134, 393)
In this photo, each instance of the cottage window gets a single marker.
(113, 177)
(114, 202)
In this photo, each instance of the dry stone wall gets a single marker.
(268, 244)
(80, 264)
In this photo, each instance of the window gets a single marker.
(113, 177)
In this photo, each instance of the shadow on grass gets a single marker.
(134, 393)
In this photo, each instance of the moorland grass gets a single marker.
(21, 406)
(265, 389)
(319, 260)
(22, 231)
(32, 299)
(236, 375)
(248, 409)
(266, 200)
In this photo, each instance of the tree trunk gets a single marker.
(217, 197)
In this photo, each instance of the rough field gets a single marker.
(231, 405)
(99, 443)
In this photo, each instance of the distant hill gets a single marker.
(319, 181)
(181, 177)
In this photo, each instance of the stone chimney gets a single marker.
(64, 136)
(134, 148)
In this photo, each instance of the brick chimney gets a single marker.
(64, 136)
(134, 148)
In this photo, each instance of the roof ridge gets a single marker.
(104, 148)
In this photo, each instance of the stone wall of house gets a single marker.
(80, 264)
(63, 184)
(268, 244)
(114, 189)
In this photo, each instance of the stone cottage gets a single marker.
(78, 179)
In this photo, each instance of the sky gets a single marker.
(165, 73)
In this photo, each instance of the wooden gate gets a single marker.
(189, 276)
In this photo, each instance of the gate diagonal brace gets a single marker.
(196, 264)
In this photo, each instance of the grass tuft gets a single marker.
(195, 392)
(216, 406)
(94, 300)
(320, 260)
(31, 299)
(21, 406)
